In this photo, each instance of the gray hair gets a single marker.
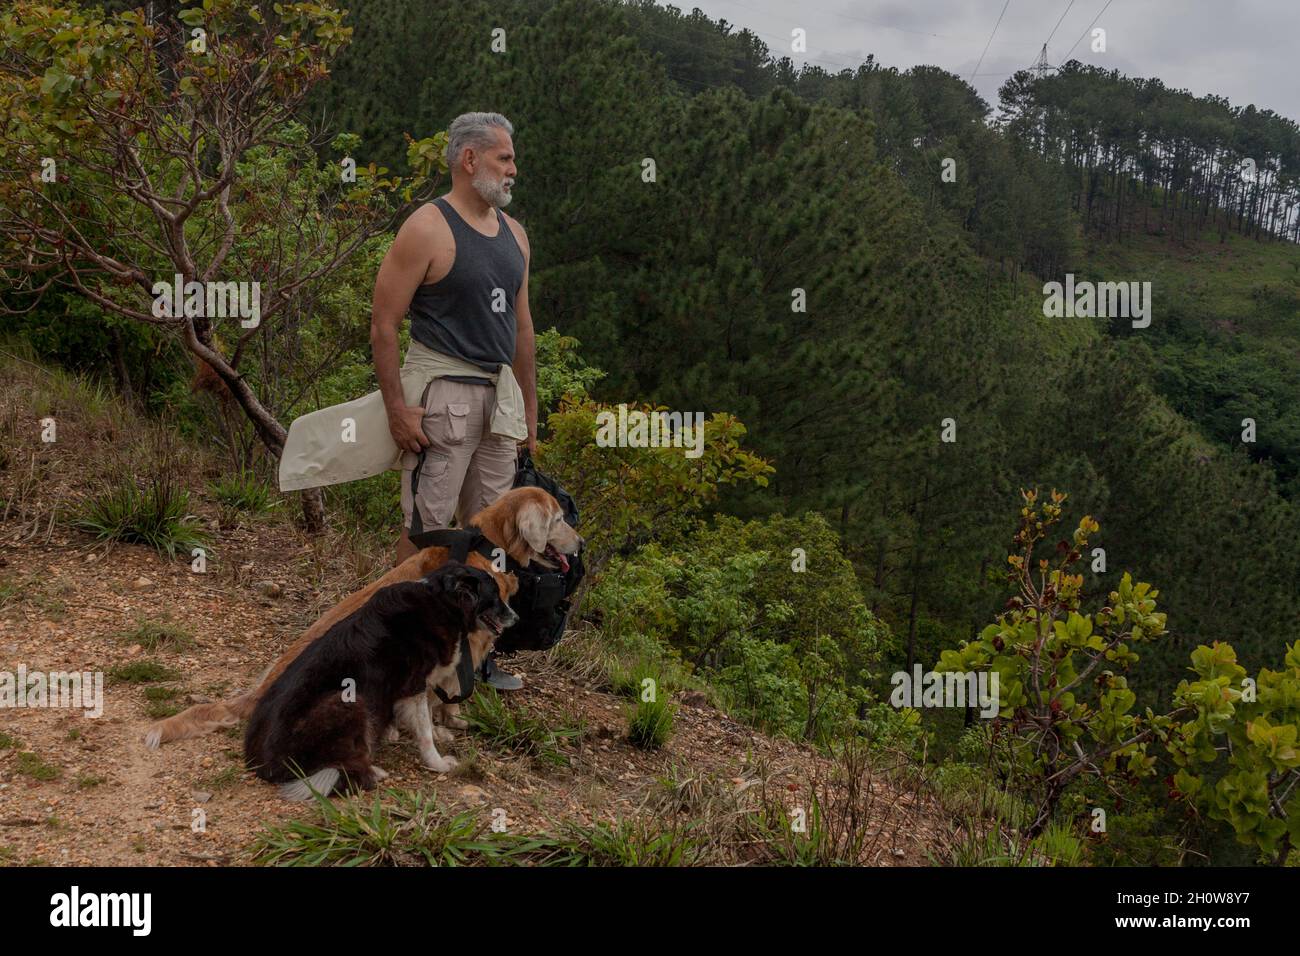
(473, 130)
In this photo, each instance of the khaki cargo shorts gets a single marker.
(465, 467)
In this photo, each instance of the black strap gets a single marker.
(460, 542)
(417, 523)
(464, 675)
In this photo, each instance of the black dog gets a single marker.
(323, 717)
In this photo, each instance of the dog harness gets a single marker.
(460, 542)
(464, 675)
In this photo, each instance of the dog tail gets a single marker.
(322, 782)
(200, 719)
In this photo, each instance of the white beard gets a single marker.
(495, 194)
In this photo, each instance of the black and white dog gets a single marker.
(324, 716)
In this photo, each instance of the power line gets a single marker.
(1085, 31)
(980, 61)
(1058, 24)
(1041, 66)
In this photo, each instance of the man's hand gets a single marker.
(406, 424)
(532, 444)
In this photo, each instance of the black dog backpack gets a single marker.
(542, 601)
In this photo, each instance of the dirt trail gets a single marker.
(115, 802)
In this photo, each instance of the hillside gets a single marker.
(1227, 339)
(83, 791)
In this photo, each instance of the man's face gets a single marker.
(494, 171)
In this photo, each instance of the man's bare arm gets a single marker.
(402, 271)
(525, 362)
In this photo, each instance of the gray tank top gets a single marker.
(454, 315)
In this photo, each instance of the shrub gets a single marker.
(792, 650)
(633, 495)
(561, 370)
(1250, 725)
(1064, 702)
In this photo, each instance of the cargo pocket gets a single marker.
(429, 498)
(457, 422)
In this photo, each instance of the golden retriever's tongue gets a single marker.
(555, 555)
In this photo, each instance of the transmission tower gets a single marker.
(1041, 67)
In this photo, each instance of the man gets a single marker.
(459, 266)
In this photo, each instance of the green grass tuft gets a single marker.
(503, 726)
(156, 635)
(158, 709)
(142, 672)
(222, 781)
(635, 842)
(396, 828)
(156, 516)
(244, 491)
(10, 588)
(29, 764)
(650, 723)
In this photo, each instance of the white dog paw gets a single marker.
(379, 772)
(441, 765)
(392, 733)
(457, 723)
(441, 735)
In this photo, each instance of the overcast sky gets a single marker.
(1245, 50)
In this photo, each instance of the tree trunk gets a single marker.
(313, 511)
(911, 614)
(268, 429)
(916, 575)
(119, 367)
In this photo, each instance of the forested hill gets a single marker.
(924, 298)
(799, 260)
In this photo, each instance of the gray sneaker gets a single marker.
(493, 676)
